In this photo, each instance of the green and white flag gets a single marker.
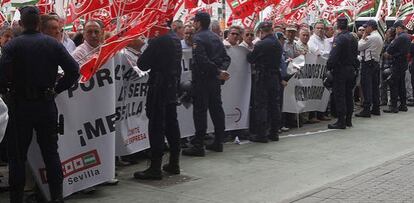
(20, 3)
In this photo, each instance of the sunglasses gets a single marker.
(234, 33)
(361, 30)
(250, 34)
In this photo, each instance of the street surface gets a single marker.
(371, 162)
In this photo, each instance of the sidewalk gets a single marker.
(392, 181)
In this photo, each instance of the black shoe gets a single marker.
(259, 139)
(403, 108)
(390, 110)
(410, 103)
(171, 168)
(273, 137)
(149, 174)
(215, 147)
(340, 124)
(348, 124)
(193, 151)
(376, 112)
(383, 103)
(364, 113)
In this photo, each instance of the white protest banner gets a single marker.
(131, 94)
(305, 91)
(4, 117)
(87, 148)
(235, 93)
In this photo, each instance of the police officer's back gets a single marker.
(342, 63)
(28, 68)
(163, 56)
(266, 57)
(398, 51)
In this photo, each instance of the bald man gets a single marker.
(93, 35)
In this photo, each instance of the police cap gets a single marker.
(342, 22)
(202, 17)
(398, 23)
(28, 11)
(371, 23)
(264, 25)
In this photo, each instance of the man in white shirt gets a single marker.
(93, 35)
(248, 37)
(370, 45)
(187, 42)
(233, 37)
(317, 45)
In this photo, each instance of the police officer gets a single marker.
(209, 65)
(163, 57)
(371, 45)
(342, 63)
(398, 50)
(266, 57)
(28, 68)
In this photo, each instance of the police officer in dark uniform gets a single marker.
(398, 51)
(209, 65)
(163, 57)
(266, 57)
(342, 63)
(28, 69)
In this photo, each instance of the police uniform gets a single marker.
(371, 48)
(163, 57)
(30, 64)
(266, 57)
(342, 63)
(398, 49)
(209, 59)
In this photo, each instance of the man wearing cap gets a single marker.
(28, 67)
(290, 46)
(370, 45)
(266, 57)
(342, 63)
(397, 51)
(209, 65)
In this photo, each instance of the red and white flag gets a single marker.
(3, 2)
(2, 19)
(45, 6)
(78, 8)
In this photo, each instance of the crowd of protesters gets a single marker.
(374, 88)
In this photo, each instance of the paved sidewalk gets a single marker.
(392, 181)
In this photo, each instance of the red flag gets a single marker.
(78, 8)
(122, 7)
(148, 24)
(409, 21)
(209, 1)
(103, 15)
(250, 21)
(45, 6)
(5, 2)
(2, 19)
(189, 4)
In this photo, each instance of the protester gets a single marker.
(411, 103)
(6, 34)
(209, 67)
(33, 81)
(93, 35)
(161, 105)
(386, 64)
(187, 42)
(266, 57)
(216, 28)
(371, 45)
(302, 43)
(248, 37)
(290, 46)
(398, 50)
(284, 78)
(342, 62)
(232, 39)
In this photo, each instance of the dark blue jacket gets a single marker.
(344, 52)
(32, 60)
(399, 49)
(266, 54)
(209, 56)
